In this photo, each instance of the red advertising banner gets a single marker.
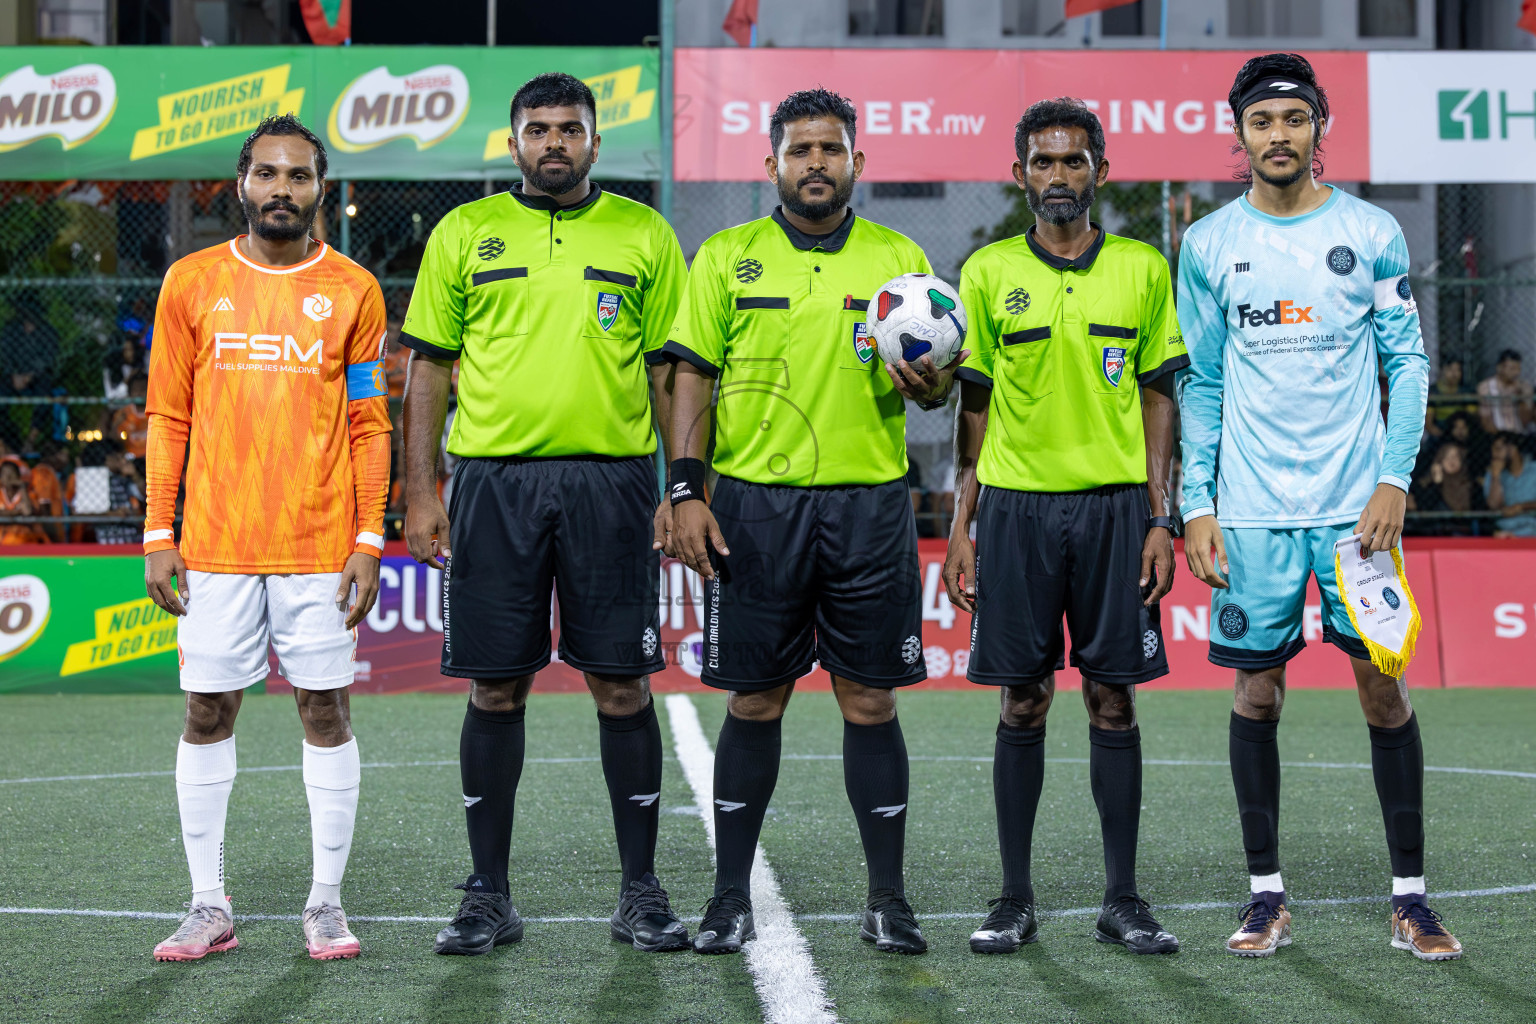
(948, 115)
(400, 642)
(1486, 607)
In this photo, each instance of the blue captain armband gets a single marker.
(366, 380)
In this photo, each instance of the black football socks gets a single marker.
(746, 770)
(875, 774)
(1018, 771)
(1255, 759)
(631, 751)
(490, 764)
(1397, 762)
(1114, 772)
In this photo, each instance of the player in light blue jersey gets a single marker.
(1290, 298)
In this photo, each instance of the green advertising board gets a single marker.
(392, 112)
(82, 625)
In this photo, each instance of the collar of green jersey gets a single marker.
(1055, 262)
(805, 243)
(547, 203)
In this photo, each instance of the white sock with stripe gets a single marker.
(331, 779)
(205, 775)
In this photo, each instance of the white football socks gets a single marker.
(205, 774)
(1266, 883)
(331, 778)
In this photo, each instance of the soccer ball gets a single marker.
(917, 315)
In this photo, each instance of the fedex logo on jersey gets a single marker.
(1284, 311)
(276, 352)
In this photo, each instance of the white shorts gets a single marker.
(231, 617)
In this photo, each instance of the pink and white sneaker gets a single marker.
(327, 935)
(204, 930)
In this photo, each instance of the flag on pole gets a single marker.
(1080, 7)
(740, 21)
(329, 22)
(1528, 16)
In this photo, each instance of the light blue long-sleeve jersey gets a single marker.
(1285, 318)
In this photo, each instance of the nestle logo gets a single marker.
(73, 82)
(429, 82)
(1284, 311)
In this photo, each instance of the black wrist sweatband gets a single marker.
(1160, 522)
(687, 477)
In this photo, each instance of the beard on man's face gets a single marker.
(1257, 158)
(555, 175)
(1059, 213)
(287, 229)
(789, 196)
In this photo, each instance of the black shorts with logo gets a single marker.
(815, 574)
(1042, 556)
(582, 524)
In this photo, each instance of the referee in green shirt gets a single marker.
(554, 298)
(1066, 421)
(814, 541)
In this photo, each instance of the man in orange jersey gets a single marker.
(267, 358)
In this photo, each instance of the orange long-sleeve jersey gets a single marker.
(275, 375)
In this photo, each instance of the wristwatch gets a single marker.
(1165, 522)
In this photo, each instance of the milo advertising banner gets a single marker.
(156, 113)
(82, 625)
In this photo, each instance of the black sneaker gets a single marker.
(486, 919)
(890, 924)
(644, 918)
(1126, 922)
(727, 924)
(1010, 925)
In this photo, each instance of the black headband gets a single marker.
(1270, 87)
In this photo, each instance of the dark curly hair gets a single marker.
(553, 89)
(1282, 65)
(812, 103)
(1061, 112)
(282, 124)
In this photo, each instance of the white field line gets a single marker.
(1504, 890)
(787, 757)
(787, 982)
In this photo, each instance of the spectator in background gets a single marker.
(48, 483)
(121, 364)
(1514, 413)
(28, 343)
(1466, 429)
(1447, 384)
(1448, 486)
(23, 426)
(126, 498)
(130, 424)
(1512, 487)
(15, 500)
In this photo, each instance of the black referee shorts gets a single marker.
(815, 574)
(1040, 556)
(582, 524)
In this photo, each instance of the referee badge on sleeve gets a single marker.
(608, 308)
(1114, 365)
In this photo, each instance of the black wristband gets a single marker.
(1156, 522)
(687, 480)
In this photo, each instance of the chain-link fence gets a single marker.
(81, 264)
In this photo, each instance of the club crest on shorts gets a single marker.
(648, 638)
(862, 347)
(1390, 596)
(608, 309)
(1114, 365)
(911, 650)
(1233, 622)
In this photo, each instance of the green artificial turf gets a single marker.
(114, 844)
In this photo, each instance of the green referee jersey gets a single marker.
(779, 317)
(1063, 346)
(553, 315)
